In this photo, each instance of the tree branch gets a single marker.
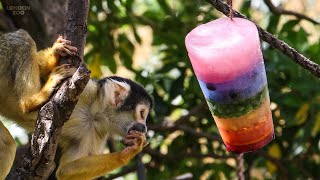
(54, 15)
(280, 11)
(186, 129)
(183, 155)
(6, 24)
(141, 169)
(177, 125)
(39, 163)
(304, 62)
(194, 111)
(44, 20)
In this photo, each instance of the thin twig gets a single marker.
(283, 47)
(183, 155)
(194, 111)
(184, 128)
(280, 11)
(141, 169)
(177, 125)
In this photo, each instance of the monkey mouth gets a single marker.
(138, 127)
(124, 130)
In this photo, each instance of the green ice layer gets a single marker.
(238, 108)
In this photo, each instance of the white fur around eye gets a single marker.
(141, 112)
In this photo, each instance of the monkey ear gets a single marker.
(120, 92)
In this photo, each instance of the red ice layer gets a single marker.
(250, 147)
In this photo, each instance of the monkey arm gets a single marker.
(48, 58)
(47, 61)
(91, 167)
(35, 101)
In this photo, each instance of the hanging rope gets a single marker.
(240, 165)
(283, 47)
(230, 12)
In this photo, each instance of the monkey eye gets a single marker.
(142, 113)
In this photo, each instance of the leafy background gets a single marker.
(118, 30)
(144, 40)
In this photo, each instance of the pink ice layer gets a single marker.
(223, 49)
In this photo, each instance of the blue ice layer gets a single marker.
(242, 87)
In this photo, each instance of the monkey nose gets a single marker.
(139, 127)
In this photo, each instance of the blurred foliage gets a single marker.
(295, 93)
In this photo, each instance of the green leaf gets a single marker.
(273, 23)
(109, 61)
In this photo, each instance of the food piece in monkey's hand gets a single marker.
(136, 141)
(136, 132)
(135, 138)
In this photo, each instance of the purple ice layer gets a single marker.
(242, 87)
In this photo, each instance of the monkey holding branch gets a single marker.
(110, 107)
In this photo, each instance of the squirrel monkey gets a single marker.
(111, 107)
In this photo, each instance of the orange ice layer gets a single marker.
(247, 129)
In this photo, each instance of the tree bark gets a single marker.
(44, 20)
(38, 162)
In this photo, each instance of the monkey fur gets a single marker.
(111, 107)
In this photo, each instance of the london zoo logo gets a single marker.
(18, 10)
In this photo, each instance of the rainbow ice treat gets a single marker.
(227, 60)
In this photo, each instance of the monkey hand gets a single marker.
(63, 47)
(60, 73)
(136, 141)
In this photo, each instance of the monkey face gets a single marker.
(127, 104)
(133, 119)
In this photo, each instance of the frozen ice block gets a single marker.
(226, 57)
